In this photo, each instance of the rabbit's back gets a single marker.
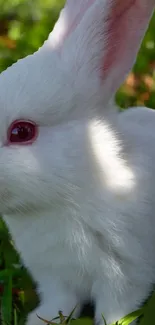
(139, 122)
(137, 128)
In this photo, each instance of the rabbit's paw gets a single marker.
(42, 312)
(51, 309)
(115, 306)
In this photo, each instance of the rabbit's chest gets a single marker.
(69, 252)
(77, 253)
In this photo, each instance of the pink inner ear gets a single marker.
(117, 28)
(84, 6)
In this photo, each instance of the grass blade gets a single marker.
(6, 302)
(129, 318)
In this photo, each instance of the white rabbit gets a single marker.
(77, 183)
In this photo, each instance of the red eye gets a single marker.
(22, 132)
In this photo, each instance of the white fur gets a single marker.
(79, 202)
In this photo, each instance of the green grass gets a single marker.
(18, 297)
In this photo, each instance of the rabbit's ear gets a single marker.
(103, 36)
(69, 19)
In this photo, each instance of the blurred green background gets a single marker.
(24, 25)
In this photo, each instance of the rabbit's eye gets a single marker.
(22, 132)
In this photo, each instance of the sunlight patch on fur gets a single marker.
(114, 170)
